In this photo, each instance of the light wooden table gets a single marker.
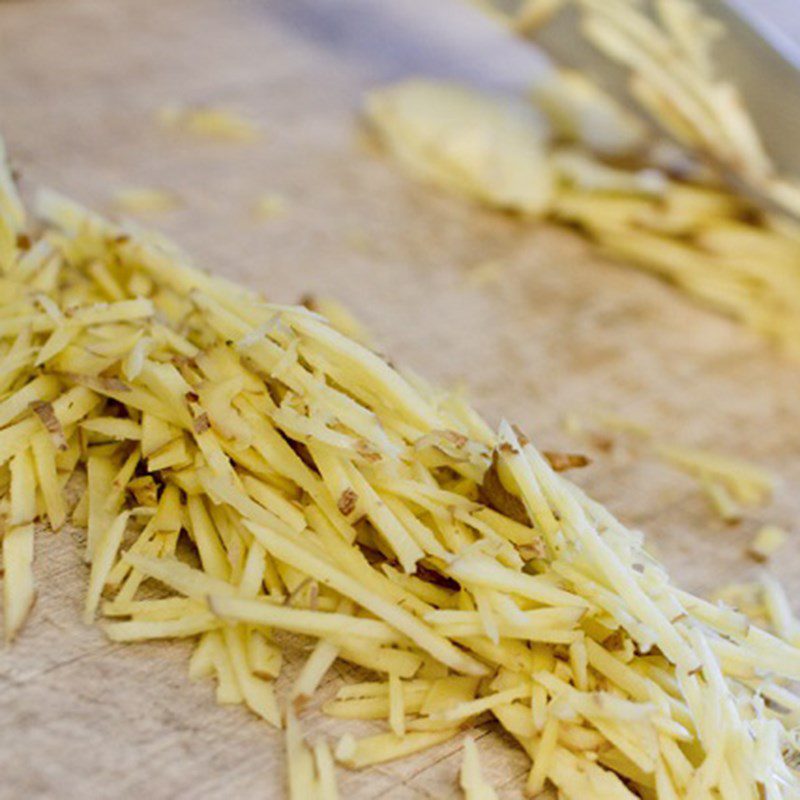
(562, 331)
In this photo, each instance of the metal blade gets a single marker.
(754, 54)
(765, 64)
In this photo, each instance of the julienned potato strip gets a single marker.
(250, 468)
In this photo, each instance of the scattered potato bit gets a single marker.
(486, 273)
(326, 775)
(485, 147)
(767, 542)
(209, 122)
(722, 502)
(581, 171)
(618, 422)
(141, 200)
(269, 205)
(19, 592)
(18, 584)
(748, 598)
(731, 484)
(357, 754)
(339, 318)
(471, 777)
(464, 571)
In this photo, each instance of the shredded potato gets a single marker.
(581, 112)
(143, 200)
(269, 205)
(767, 542)
(471, 778)
(325, 494)
(732, 485)
(485, 147)
(667, 207)
(209, 122)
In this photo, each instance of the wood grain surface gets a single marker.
(560, 331)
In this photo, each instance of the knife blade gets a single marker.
(755, 54)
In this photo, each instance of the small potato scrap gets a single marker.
(700, 237)
(311, 771)
(319, 492)
(471, 778)
(18, 583)
(269, 205)
(561, 462)
(209, 122)
(767, 542)
(144, 200)
(748, 484)
(732, 485)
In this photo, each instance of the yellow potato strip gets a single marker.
(439, 647)
(309, 623)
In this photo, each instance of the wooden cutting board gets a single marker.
(559, 331)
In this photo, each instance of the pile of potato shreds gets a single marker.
(575, 155)
(250, 469)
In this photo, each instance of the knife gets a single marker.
(755, 54)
